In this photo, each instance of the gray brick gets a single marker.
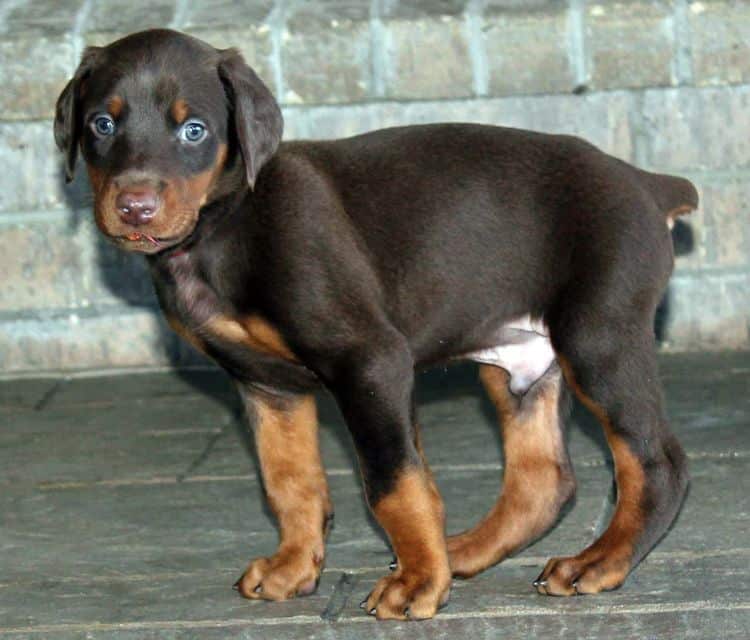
(41, 263)
(414, 9)
(719, 321)
(720, 40)
(522, 5)
(721, 226)
(63, 261)
(109, 275)
(600, 118)
(122, 337)
(527, 50)
(47, 17)
(727, 216)
(427, 57)
(697, 128)
(32, 176)
(295, 123)
(33, 71)
(107, 23)
(242, 14)
(629, 43)
(326, 52)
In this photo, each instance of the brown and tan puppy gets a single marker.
(348, 263)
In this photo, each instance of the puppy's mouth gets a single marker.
(147, 243)
(135, 237)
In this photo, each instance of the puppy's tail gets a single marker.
(674, 196)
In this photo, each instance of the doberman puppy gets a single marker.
(349, 263)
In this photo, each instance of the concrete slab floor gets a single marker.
(130, 504)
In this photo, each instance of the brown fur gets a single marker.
(184, 333)
(382, 253)
(179, 110)
(537, 479)
(286, 432)
(115, 106)
(413, 517)
(606, 563)
(181, 200)
(254, 332)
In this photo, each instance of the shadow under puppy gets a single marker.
(348, 263)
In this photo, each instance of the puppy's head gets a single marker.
(166, 124)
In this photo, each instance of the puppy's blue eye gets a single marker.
(103, 126)
(193, 131)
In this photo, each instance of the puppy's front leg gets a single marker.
(286, 437)
(375, 395)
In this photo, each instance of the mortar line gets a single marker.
(331, 473)
(378, 53)
(682, 58)
(381, 101)
(514, 611)
(79, 26)
(577, 42)
(276, 21)
(477, 50)
(6, 8)
(655, 557)
(181, 13)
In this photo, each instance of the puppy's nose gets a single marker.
(137, 207)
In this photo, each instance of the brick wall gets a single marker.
(663, 84)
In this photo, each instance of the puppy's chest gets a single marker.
(197, 313)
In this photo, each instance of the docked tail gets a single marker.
(674, 196)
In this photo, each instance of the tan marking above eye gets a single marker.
(115, 105)
(179, 110)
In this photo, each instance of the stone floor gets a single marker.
(130, 504)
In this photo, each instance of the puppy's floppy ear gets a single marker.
(257, 116)
(68, 125)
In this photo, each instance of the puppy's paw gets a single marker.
(286, 574)
(585, 573)
(415, 595)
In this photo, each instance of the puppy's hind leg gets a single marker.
(611, 364)
(537, 479)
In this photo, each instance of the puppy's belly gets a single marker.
(523, 350)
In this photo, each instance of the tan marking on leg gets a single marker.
(179, 110)
(253, 332)
(537, 479)
(267, 337)
(606, 563)
(184, 333)
(286, 436)
(413, 517)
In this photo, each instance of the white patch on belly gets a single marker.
(524, 351)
